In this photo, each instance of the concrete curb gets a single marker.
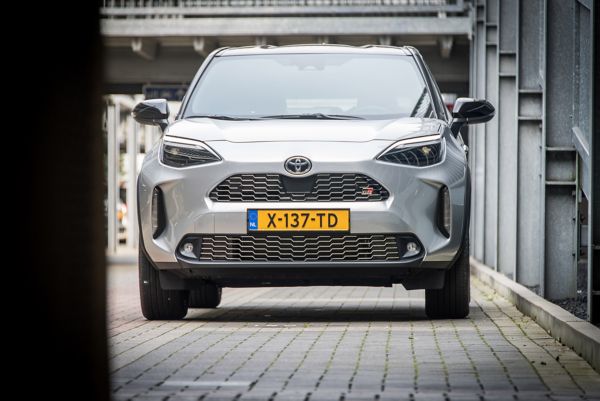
(583, 337)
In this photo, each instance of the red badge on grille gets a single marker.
(367, 191)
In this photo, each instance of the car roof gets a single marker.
(316, 48)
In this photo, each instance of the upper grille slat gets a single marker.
(327, 187)
(303, 248)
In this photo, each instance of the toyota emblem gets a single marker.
(298, 165)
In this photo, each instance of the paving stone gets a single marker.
(336, 343)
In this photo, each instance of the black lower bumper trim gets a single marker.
(412, 276)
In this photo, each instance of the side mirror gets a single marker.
(152, 112)
(470, 111)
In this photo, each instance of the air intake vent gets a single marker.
(301, 248)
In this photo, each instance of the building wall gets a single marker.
(533, 59)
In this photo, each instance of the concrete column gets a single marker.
(132, 168)
(507, 138)
(112, 176)
(491, 140)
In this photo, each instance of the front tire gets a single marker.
(159, 304)
(208, 296)
(452, 301)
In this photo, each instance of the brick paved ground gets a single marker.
(336, 343)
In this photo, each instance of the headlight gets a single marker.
(179, 152)
(420, 152)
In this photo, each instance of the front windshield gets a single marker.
(280, 85)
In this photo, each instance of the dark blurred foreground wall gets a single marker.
(61, 350)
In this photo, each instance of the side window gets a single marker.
(440, 107)
(438, 98)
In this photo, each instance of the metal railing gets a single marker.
(201, 8)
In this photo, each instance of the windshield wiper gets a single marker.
(312, 116)
(222, 117)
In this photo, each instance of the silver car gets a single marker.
(306, 165)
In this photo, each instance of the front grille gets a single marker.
(322, 187)
(299, 248)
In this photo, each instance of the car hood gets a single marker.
(205, 129)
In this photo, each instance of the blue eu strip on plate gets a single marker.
(252, 219)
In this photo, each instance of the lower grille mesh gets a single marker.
(279, 248)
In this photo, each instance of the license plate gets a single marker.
(298, 220)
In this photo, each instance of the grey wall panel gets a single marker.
(507, 138)
(531, 40)
(479, 149)
(593, 249)
(507, 178)
(472, 137)
(561, 274)
(559, 72)
(491, 159)
(583, 74)
(530, 103)
(561, 204)
(508, 25)
(508, 63)
(530, 231)
(491, 140)
(560, 167)
(530, 248)
(491, 12)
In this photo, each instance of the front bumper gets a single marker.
(411, 208)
